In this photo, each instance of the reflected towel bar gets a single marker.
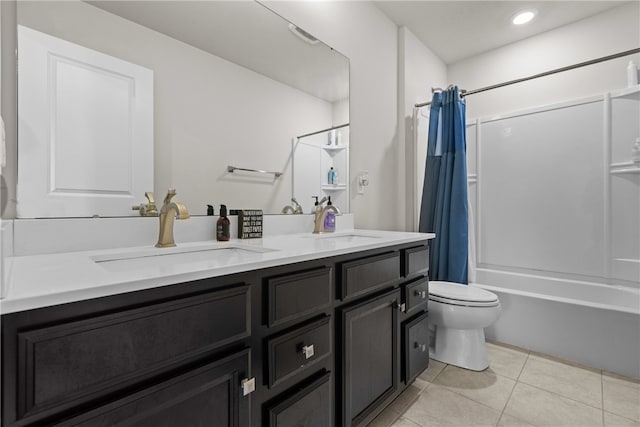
(233, 169)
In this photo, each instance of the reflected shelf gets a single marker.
(630, 170)
(334, 187)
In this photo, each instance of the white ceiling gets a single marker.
(245, 33)
(455, 30)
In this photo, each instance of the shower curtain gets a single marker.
(444, 208)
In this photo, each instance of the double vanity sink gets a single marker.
(279, 331)
(43, 280)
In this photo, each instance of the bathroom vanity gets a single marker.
(279, 331)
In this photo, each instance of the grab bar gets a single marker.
(234, 168)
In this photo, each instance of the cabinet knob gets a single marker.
(308, 351)
(421, 347)
(421, 294)
(248, 386)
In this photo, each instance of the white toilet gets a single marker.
(458, 315)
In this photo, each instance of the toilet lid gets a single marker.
(455, 293)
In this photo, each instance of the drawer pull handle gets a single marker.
(308, 351)
(248, 386)
(421, 347)
(421, 294)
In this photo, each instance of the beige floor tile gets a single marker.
(432, 371)
(543, 408)
(385, 418)
(437, 404)
(506, 361)
(569, 381)
(407, 397)
(621, 397)
(612, 420)
(484, 387)
(403, 422)
(507, 420)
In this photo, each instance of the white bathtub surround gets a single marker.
(593, 324)
(56, 235)
(49, 279)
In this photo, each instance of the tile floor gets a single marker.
(520, 388)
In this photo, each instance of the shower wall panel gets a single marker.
(541, 190)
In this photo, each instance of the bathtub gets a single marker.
(592, 324)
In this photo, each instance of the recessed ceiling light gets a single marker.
(523, 17)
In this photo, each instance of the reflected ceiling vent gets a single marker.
(303, 34)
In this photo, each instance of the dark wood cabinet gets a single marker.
(415, 347)
(298, 350)
(76, 360)
(324, 343)
(310, 406)
(370, 340)
(416, 294)
(210, 395)
(365, 275)
(415, 261)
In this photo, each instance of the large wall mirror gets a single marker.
(227, 83)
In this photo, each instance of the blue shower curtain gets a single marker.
(444, 195)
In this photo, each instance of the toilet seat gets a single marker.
(461, 295)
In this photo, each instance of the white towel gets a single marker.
(3, 148)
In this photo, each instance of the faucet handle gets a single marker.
(170, 193)
(149, 196)
(148, 209)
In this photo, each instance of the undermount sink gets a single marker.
(208, 255)
(344, 237)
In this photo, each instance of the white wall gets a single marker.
(419, 70)
(208, 112)
(610, 32)
(369, 39)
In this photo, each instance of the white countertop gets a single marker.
(43, 280)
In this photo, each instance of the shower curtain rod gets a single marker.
(546, 73)
(323, 130)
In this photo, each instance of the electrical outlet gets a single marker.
(363, 181)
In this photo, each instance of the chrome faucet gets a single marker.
(169, 212)
(321, 215)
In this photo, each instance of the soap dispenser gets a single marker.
(330, 218)
(222, 226)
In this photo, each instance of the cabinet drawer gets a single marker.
(416, 347)
(364, 275)
(82, 360)
(295, 295)
(416, 294)
(415, 261)
(293, 352)
(210, 395)
(311, 406)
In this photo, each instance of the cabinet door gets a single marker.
(311, 406)
(370, 342)
(210, 395)
(416, 347)
(71, 363)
